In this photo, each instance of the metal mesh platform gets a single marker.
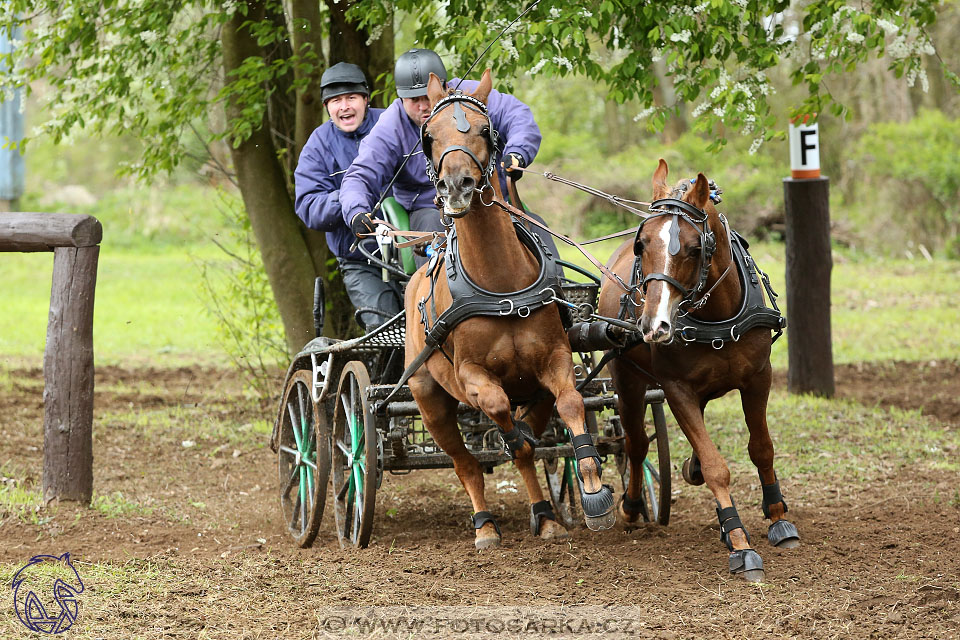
(581, 294)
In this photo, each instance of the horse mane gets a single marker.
(680, 189)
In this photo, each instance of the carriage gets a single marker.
(343, 423)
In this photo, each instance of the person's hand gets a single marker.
(362, 224)
(511, 162)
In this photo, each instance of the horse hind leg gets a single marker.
(438, 410)
(543, 521)
(782, 533)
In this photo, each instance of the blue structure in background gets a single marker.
(11, 127)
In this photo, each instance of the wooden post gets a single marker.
(68, 356)
(808, 267)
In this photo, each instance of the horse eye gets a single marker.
(485, 131)
(694, 250)
(427, 137)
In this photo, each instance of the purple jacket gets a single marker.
(395, 135)
(318, 177)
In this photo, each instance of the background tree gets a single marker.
(168, 73)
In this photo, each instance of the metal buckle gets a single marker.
(734, 337)
(715, 345)
(523, 312)
(508, 311)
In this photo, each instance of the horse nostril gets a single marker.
(663, 328)
(468, 184)
(442, 187)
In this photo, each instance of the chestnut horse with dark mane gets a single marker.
(682, 260)
(491, 361)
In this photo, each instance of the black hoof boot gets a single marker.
(781, 534)
(635, 507)
(784, 535)
(481, 518)
(599, 510)
(540, 511)
(520, 435)
(747, 564)
(692, 473)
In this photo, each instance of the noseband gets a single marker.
(459, 101)
(697, 218)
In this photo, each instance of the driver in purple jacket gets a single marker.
(325, 157)
(397, 133)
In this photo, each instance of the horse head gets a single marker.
(34, 584)
(675, 246)
(459, 144)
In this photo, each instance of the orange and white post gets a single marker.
(804, 147)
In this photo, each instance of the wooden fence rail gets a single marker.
(68, 356)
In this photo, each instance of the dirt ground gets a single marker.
(202, 551)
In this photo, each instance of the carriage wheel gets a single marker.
(562, 486)
(355, 462)
(303, 459)
(655, 484)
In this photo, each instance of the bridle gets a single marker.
(458, 101)
(698, 219)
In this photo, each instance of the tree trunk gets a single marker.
(263, 186)
(348, 43)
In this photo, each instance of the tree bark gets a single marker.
(307, 36)
(348, 43)
(263, 187)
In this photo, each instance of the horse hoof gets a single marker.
(783, 535)
(746, 564)
(551, 530)
(601, 523)
(598, 509)
(486, 543)
(692, 473)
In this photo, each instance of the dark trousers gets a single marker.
(367, 290)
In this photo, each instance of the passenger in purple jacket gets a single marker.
(323, 161)
(398, 132)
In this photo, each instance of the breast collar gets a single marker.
(754, 311)
(470, 299)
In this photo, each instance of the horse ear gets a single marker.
(435, 90)
(483, 89)
(660, 188)
(700, 194)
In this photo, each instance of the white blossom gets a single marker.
(554, 12)
(855, 38)
(683, 36)
(561, 61)
(887, 26)
(149, 37)
(701, 109)
(537, 67)
(755, 145)
(718, 111)
(643, 114)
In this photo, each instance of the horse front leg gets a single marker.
(632, 406)
(753, 399)
(438, 410)
(744, 560)
(596, 498)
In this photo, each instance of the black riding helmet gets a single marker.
(342, 78)
(412, 72)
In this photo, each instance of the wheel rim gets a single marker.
(561, 484)
(354, 459)
(299, 471)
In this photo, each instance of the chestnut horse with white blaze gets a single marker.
(683, 260)
(491, 361)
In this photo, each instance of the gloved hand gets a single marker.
(510, 162)
(362, 224)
